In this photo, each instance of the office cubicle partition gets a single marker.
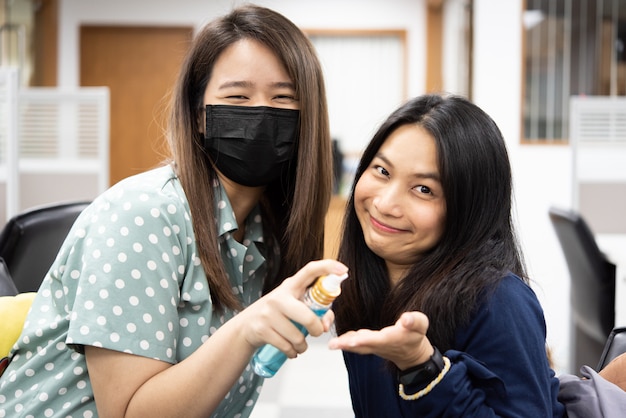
(54, 144)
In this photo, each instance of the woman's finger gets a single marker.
(311, 271)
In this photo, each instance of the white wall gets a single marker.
(542, 173)
(308, 14)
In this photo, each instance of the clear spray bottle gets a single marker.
(319, 297)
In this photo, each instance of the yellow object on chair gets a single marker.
(13, 310)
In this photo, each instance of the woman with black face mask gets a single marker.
(169, 282)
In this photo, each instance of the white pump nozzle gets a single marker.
(332, 282)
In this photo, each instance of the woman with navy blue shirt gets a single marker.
(439, 318)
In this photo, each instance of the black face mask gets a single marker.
(250, 145)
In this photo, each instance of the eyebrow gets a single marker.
(230, 84)
(284, 84)
(249, 84)
(433, 176)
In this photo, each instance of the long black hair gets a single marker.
(478, 245)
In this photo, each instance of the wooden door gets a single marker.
(139, 65)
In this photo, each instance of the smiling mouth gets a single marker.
(383, 227)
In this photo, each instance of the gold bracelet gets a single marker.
(429, 387)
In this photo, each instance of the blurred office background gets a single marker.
(93, 76)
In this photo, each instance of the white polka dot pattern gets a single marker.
(128, 279)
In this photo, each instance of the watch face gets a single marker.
(424, 373)
(431, 368)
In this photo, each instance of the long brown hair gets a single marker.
(294, 207)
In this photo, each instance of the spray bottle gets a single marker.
(319, 297)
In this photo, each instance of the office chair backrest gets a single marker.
(592, 294)
(30, 241)
(615, 345)
(7, 287)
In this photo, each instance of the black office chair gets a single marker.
(615, 345)
(7, 287)
(592, 291)
(30, 240)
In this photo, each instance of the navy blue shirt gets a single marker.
(499, 367)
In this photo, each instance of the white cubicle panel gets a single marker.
(9, 174)
(603, 205)
(55, 147)
(41, 188)
(598, 138)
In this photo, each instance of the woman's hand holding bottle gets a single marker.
(270, 320)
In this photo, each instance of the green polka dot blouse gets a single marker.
(128, 278)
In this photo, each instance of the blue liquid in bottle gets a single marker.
(319, 297)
